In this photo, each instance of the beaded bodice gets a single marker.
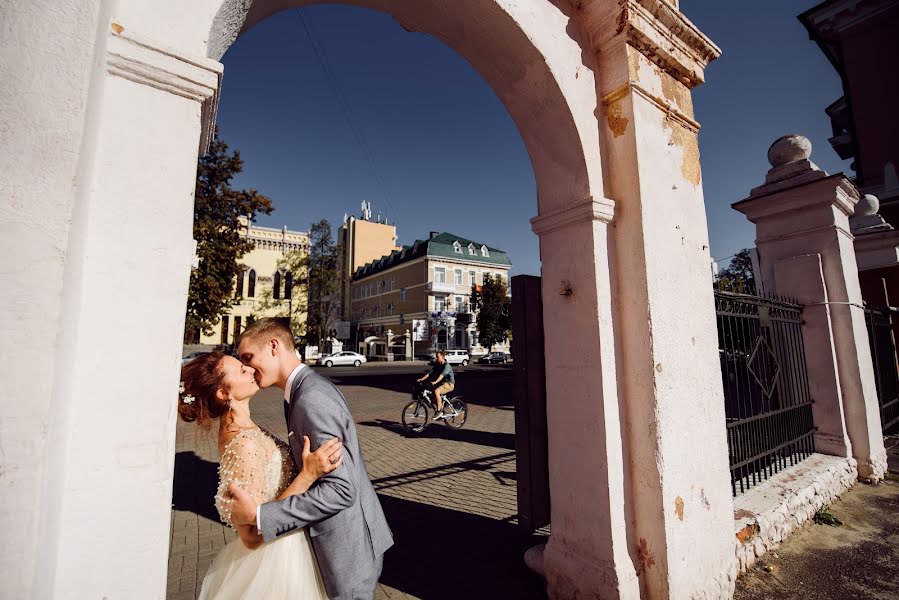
(257, 462)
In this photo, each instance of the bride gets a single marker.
(217, 386)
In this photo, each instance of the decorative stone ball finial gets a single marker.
(788, 149)
(867, 206)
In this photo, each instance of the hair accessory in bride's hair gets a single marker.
(187, 398)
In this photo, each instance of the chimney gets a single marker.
(434, 234)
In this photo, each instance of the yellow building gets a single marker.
(265, 288)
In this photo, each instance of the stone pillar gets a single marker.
(106, 501)
(587, 552)
(676, 485)
(877, 254)
(806, 251)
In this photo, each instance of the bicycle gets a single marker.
(415, 413)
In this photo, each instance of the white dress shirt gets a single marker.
(287, 387)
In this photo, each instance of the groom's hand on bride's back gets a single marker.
(249, 535)
(243, 506)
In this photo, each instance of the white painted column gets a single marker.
(587, 553)
(801, 211)
(678, 498)
(107, 494)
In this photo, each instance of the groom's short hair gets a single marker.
(267, 328)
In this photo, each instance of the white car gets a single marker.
(457, 357)
(343, 358)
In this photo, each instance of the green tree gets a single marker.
(217, 212)
(320, 283)
(737, 276)
(494, 311)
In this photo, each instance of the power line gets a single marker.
(345, 108)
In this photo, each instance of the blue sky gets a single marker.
(363, 109)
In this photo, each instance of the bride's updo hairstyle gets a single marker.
(197, 399)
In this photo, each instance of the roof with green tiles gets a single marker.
(440, 245)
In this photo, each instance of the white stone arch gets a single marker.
(531, 54)
(631, 348)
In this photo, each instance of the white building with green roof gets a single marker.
(415, 300)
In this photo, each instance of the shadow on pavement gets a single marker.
(440, 431)
(195, 484)
(445, 554)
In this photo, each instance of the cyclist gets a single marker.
(441, 381)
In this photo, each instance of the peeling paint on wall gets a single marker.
(617, 121)
(644, 556)
(689, 144)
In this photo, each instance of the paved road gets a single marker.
(449, 495)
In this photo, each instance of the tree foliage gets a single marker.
(320, 283)
(493, 306)
(737, 276)
(217, 212)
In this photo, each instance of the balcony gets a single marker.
(437, 287)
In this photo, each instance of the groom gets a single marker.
(347, 527)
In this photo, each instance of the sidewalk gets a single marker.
(858, 559)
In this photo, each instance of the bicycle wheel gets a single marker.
(456, 419)
(415, 416)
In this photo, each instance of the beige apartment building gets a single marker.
(360, 241)
(415, 300)
(265, 288)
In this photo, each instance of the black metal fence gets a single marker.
(883, 354)
(767, 403)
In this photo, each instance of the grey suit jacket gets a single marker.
(346, 523)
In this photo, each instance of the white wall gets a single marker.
(47, 49)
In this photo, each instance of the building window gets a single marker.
(460, 304)
(484, 251)
(251, 284)
(288, 286)
(225, 323)
(236, 328)
(238, 289)
(439, 274)
(471, 249)
(457, 247)
(276, 289)
(440, 303)
(472, 278)
(402, 294)
(457, 279)
(250, 320)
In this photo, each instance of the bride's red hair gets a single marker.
(203, 378)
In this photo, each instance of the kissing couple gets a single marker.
(309, 524)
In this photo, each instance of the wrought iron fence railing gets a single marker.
(768, 408)
(883, 355)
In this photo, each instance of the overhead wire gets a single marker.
(345, 108)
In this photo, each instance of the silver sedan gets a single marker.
(343, 358)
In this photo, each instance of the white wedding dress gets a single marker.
(283, 568)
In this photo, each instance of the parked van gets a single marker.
(457, 357)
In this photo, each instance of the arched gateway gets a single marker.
(120, 95)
